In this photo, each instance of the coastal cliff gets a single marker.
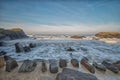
(10, 34)
(108, 34)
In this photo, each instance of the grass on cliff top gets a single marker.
(16, 29)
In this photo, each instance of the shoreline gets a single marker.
(37, 74)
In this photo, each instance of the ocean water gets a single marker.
(54, 47)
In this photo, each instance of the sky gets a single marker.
(65, 16)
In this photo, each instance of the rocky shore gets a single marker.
(52, 70)
(41, 59)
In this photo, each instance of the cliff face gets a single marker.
(108, 35)
(15, 33)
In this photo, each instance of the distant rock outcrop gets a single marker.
(108, 35)
(11, 34)
(77, 37)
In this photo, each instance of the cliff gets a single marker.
(108, 35)
(15, 33)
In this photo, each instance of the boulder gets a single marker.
(53, 67)
(110, 66)
(2, 61)
(70, 49)
(26, 48)
(70, 74)
(2, 53)
(31, 45)
(88, 66)
(77, 37)
(44, 66)
(83, 49)
(75, 62)
(27, 66)
(117, 64)
(52, 61)
(19, 48)
(108, 35)
(99, 66)
(7, 58)
(62, 63)
(10, 64)
(2, 43)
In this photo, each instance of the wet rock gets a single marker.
(2, 43)
(75, 62)
(53, 67)
(117, 64)
(52, 61)
(44, 66)
(69, 74)
(2, 53)
(110, 66)
(62, 63)
(88, 66)
(70, 49)
(10, 64)
(28, 66)
(31, 45)
(26, 48)
(83, 49)
(2, 61)
(19, 48)
(99, 66)
(7, 58)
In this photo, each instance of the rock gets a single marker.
(83, 49)
(77, 37)
(95, 38)
(88, 66)
(7, 58)
(62, 63)
(44, 66)
(70, 49)
(27, 66)
(53, 67)
(117, 64)
(69, 74)
(108, 34)
(2, 61)
(2, 53)
(31, 45)
(99, 66)
(26, 48)
(19, 48)
(10, 64)
(52, 61)
(15, 33)
(110, 66)
(2, 43)
(75, 62)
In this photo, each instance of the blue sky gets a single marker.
(61, 16)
